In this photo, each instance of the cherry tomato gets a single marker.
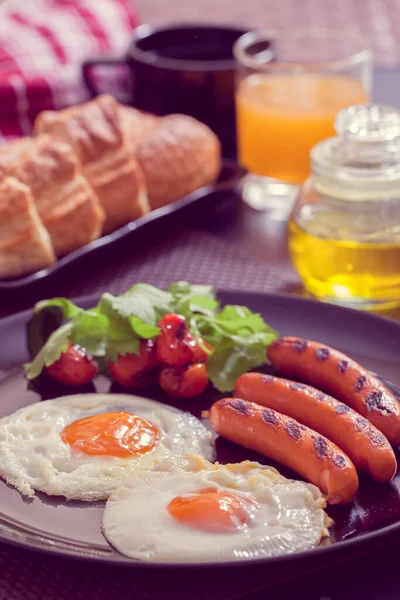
(176, 346)
(199, 355)
(74, 367)
(136, 370)
(184, 382)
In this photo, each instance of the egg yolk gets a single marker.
(213, 510)
(113, 434)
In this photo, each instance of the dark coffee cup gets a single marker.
(182, 69)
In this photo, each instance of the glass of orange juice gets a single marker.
(285, 106)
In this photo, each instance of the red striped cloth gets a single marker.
(42, 46)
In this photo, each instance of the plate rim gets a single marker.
(361, 541)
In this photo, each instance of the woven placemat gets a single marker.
(191, 255)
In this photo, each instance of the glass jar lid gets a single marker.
(364, 159)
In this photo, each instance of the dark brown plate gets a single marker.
(230, 174)
(73, 528)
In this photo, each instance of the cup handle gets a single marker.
(91, 63)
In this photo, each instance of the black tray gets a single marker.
(207, 198)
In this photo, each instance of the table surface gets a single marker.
(265, 239)
(376, 21)
(373, 576)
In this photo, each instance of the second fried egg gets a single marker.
(193, 511)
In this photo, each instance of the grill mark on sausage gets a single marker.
(322, 353)
(339, 460)
(297, 386)
(360, 382)
(294, 430)
(300, 345)
(269, 416)
(377, 400)
(360, 424)
(320, 446)
(341, 409)
(240, 406)
(375, 437)
(342, 366)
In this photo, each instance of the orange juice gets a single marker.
(281, 117)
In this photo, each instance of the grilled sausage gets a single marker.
(285, 440)
(363, 443)
(338, 375)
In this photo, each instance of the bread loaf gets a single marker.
(94, 132)
(176, 153)
(91, 169)
(25, 245)
(66, 203)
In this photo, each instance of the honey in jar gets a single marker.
(344, 232)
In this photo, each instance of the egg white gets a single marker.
(137, 523)
(33, 455)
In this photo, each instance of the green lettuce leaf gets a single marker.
(188, 299)
(120, 348)
(239, 338)
(229, 361)
(136, 311)
(118, 328)
(144, 301)
(89, 330)
(142, 329)
(183, 288)
(68, 308)
(51, 351)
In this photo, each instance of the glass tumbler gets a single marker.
(286, 106)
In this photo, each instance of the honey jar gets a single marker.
(344, 231)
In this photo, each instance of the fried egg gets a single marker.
(83, 446)
(191, 511)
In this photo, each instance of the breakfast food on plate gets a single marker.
(283, 439)
(340, 376)
(66, 203)
(363, 443)
(214, 512)
(75, 367)
(176, 346)
(25, 244)
(184, 382)
(94, 132)
(83, 446)
(180, 337)
(97, 166)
